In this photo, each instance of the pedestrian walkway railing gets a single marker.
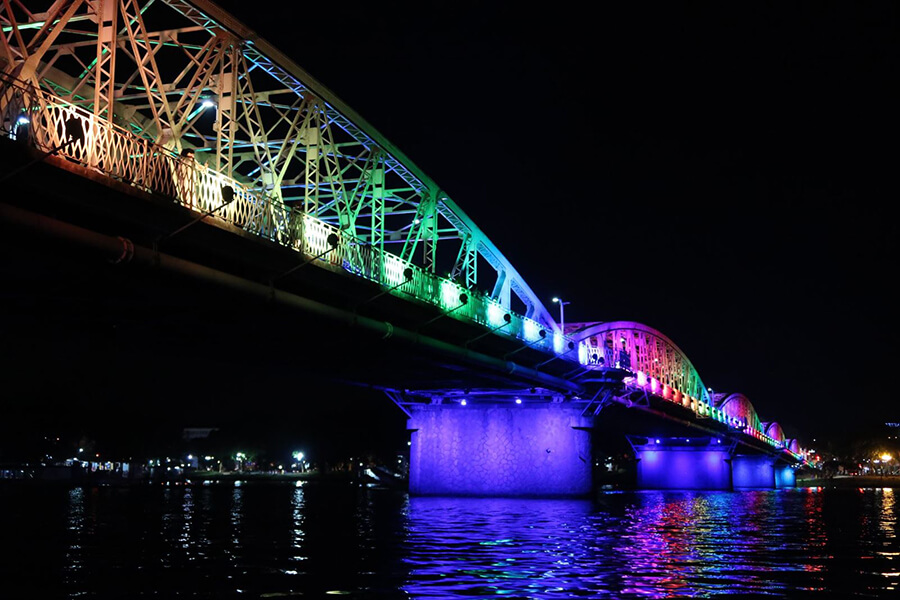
(38, 118)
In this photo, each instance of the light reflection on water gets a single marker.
(255, 540)
(75, 527)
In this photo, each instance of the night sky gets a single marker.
(720, 172)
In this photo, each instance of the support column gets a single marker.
(682, 463)
(785, 477)
(500, 450)
(753, 471)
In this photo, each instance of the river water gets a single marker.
(312, 540)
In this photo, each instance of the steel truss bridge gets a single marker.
(121, 88)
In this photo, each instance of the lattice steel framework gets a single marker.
(739, 407)
(660, 368)
(649, 352)
(181, 73)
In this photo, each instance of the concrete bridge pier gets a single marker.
(761, 472)
(705, 463)
(753, 471)
(785, 476)
(675, 463)
(499, 449)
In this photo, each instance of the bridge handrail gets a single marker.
(77, 135)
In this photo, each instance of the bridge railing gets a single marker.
(54, 125)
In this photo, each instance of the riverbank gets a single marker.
(76, 475)
(373, 477)
(839, 482)
(254, 476)
(852, 481)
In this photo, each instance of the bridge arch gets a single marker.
(664, 370)
(774, 431)
(738, 406)
(650, 352)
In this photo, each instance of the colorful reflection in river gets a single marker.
(640, 545)
(257, 540)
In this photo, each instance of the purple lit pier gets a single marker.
(705, 463)
(495, 449)
(683, 463)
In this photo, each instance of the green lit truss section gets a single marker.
(659, 368)
(123, 86)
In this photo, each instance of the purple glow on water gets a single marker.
(274, 540)
(500, 450)
(654, 544)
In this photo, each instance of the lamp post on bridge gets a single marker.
(562, 313)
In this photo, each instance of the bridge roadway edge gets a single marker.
(62, 193)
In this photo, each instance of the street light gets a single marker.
(298, 460)
(562, 313)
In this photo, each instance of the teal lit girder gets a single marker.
(180, 74)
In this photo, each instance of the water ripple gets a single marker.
(318, 540)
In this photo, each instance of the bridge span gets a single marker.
(178, 158)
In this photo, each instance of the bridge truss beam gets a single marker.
(187, 74)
